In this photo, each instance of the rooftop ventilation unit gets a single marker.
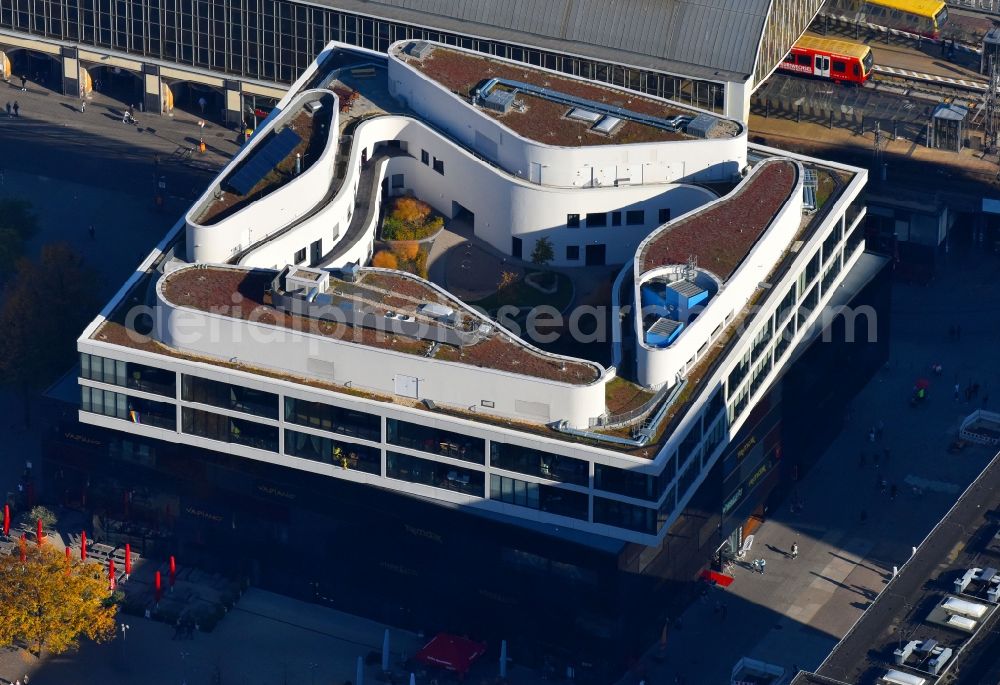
(701, 126)
(580, 114)
(313, 106)
(498, 100)
(420, 49)
(607, 125)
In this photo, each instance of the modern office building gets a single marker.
(257, 380)
(710, 55)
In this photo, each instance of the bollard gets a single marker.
(767, 107)
(831, 119)
(798, 114)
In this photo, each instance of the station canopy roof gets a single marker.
(706, 39)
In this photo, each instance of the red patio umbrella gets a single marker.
(158, 586)
(128, 559)
(173, 570)
(922, 384)
(111, 574)
(38, 533)
(69, 563)
(451, 652)
(83, 546)
(6, 520)
(67, 555)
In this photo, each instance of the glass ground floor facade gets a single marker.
(275, 40)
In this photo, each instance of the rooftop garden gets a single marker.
(212, 289)
(622, 396)
(313, 130)
(720, 236)
(544, 120)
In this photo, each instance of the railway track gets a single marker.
(943, 82)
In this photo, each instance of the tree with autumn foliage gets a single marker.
(385, 260)
(48, 602)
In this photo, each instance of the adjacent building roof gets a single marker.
(709, 39)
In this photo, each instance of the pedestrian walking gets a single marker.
(763, 566)
(83, 105)
(9, 112)
(202, 104)
(883, 486)
(17, 108)
(871, 434)
(795, 550)
(24, 83)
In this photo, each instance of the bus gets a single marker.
(841, 61)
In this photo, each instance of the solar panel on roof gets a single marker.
(263, 161)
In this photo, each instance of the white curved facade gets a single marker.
(657, 366)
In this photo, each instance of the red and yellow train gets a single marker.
(827, 58)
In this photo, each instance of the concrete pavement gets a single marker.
(794, 613)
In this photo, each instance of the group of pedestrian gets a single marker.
(13, 110)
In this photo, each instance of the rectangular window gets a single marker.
(347, 455)
(664, 215)
(335, 419)
(128, 374)
(435, 474)
(597, 219)
(635, 217)
(805, 60)
(625, 482)
(397, 180)
(435, 440)
(623, 515)
(572, 221)
(134, 409)
(536, 463)
(572, 253)
(538, 496)
(229, 429)
(300, 256)
(616, 218)
(227, 396)
(839, 67)
(439, 166)
(425, 157)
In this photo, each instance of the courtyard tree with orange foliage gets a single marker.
(48, 602)
(385, 260)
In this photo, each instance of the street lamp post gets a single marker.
(125, 628)
(184, 656)
(312, 672)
